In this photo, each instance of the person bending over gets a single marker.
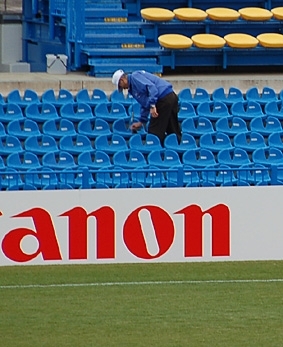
(157, 99)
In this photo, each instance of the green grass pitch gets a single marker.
(139, 305)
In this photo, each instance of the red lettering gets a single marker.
(163, 227)
(105, 219)
(194, 232)
(44, 233)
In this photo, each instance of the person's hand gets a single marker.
(136, 125)
(153, 112)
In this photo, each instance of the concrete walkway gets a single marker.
(75, 81)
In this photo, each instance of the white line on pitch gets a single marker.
(109, 284)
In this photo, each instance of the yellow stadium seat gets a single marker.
(241, 40)
(157, 14)
(277, 12)
(175, 41)
(223, 14)
(190, 14)
(208, 41)
(255, 13)
(271, 40)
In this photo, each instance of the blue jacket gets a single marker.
(147, 89)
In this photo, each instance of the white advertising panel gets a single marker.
(141, 225)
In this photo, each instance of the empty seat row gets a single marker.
(231, 126)
(186, 14)
(93, 98)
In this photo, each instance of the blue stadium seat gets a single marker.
(234, 95)
(41, 144)
(164, 158)
(74, 177)
(2, 130)
(23, 128)
(200, 95)
(123, 127)
(238, 183)
(112, 113)
(41, 112)
(249, 141)
(94, 127)
(63, 97)
(10, 144)
(197, 127)
(121, 98)
(130, 185)
(58, 128)
(23, 161)
(276, 140)
(2, 163)
(218, 174)
(215, 142)
(145, 145)
(213, 111)
(29, 97)
(59, 186)
(234, 158)
(274, 109)
(232, 126)
(10, 112)
(76, 112)
(58, 161)
(41, 177)
(129, 159)
(199, 158)
(94, 160)
(268, 94)
(266, 126)
(186, 110)
(134, 111)
(116, 175)
(190, 176)
(112, 144)
(247, 111)
(10, 177)
(268, 156)
(22, 187)
(2, 100)
(75, 144)
(254, 174)
(187, 142)
(96, 97)
(155, 176)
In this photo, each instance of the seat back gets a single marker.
(94, 160)
(215, 141)
(234, 158)
(94, 127)
(164, 158)
(23, 161)
(232, 126)
(10, 144)
(150, 143)
(75, 144)
(197, 127)
(198, 158)
(23, 128)
(129, 160)
(58, 128)
(111, 145)
(249, 141)
(60, 160)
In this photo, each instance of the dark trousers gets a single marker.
(167, 120)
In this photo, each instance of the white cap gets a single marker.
(116, 78)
